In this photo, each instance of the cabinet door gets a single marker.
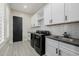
(51, 47)
(72, 11)
(32, 22)
(68, 50)
(47, 14)
(52, 42)
(35, 20)
(29, 36)
(65, 52)
(58, 12)
(51, 51)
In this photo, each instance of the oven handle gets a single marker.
(36, 37)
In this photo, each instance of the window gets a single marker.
(1, 22)
(1, 29)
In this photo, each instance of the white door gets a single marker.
(47, 14)
(72, 11)
(58, 12)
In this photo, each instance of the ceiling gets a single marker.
(31, 7)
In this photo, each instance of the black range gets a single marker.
(38, 40)
(72, 41)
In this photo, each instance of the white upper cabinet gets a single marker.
(72, 11)
(40, 14)
(37, 18)
(54, 13)
(47, 14)
(32, 22)
(58, 13)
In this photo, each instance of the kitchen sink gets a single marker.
(56, 36)
(67, 39)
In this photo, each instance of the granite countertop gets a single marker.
(35, 33)
(31, 32)
(72, 41)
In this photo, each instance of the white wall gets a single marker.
(26, 23)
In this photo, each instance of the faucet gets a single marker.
(66, 35)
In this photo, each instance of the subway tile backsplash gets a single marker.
(72, 29)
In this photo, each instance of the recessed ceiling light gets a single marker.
(25, 6)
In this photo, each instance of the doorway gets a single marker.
(17, 28)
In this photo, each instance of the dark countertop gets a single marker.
(35, 33)
(72, 41)
(31, 32)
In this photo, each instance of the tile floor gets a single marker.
(19, 49)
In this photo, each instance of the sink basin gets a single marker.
(56, 36)
(67, 39)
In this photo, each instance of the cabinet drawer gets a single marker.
(51, 42)
(69, 47)
(51, 51)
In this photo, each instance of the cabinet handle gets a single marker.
(56, 50)
(59, 52)
(66, 18)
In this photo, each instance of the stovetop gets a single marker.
(46, 33)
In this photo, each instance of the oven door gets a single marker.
(32, 39)
(37, 41)
(39, 44)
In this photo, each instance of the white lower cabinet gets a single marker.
(65, 52)
(56, 48)
(29, 36)
(51, 47)
(51, 51)
(70, 49)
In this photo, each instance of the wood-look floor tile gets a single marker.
(18, 49)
